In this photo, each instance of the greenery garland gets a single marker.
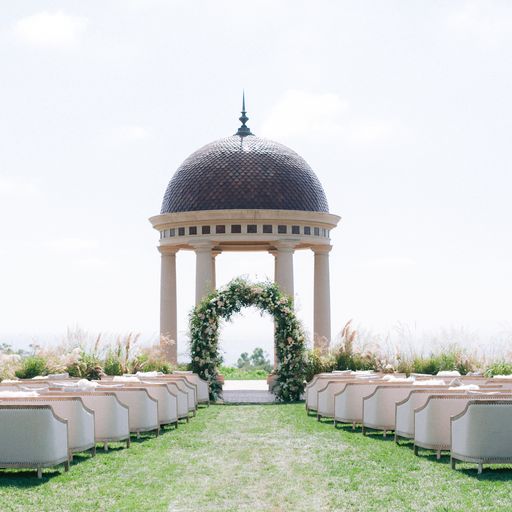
(289, 336)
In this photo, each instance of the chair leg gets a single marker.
(384, 434)
(453, 462)
(480, 468)
(105, 447)
(438, 454)
(363, 430)
(158, 431)
(39, 473)
(415, 450)
(353, 425)
(93, 451)
(138, 435)
(334, 423)
(66, 465)
(128, 442)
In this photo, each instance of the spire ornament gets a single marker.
(244, 130)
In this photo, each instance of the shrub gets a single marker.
(499, 368)
(32, 366)
(230, 373)
(318, 363)
(349, 357)
(87, 367)
(453, 358)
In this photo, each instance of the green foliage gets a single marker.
(317, 363)
(145, 363)
(499, 368)
(32, 366)
(88, 367)
(230, 373)
(258, 360)
(113, 364)
(450, 359)
(222, 304)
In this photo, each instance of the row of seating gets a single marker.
(464, 415)
(44, 422)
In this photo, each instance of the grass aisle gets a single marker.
(255, 458)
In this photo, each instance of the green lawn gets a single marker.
(258, 458)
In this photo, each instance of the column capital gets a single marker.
(322, 249)
(285, 246)
(216, 253)
(203, 246)
(168, 250)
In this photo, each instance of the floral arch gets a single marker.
(289, 336)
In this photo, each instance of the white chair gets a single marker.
(187, 388)
(143, 409)
(379, 407)
(348, 403)
(71, 408)
(181, 400)
(111, 417)
(167, 402)
(32, 436)
(432, 420)
(203, 388)
(482, 433)
(325, 397)
(318, 382)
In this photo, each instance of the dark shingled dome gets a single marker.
(244, 173)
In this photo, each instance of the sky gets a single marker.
(402, 108)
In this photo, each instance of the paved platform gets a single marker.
(247, 392)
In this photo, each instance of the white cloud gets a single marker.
(67, 245)
(485, 21)
(300, 113)
(51, 30)
(16, 188)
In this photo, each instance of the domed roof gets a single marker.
(244, 172)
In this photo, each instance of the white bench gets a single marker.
(325, 397)
(80, 418)
(432, 420)
(143, 409)
(348, 403)
(167, 402)
(181, 400)
(379, 407)
(203, 388)
(33, 436)
(482, 433)
(111, 417)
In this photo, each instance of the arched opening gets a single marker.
(221, 305)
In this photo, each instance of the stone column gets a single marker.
(204, 270)
(168, 312)
(214, 271)
(322, 299)
(284, 267)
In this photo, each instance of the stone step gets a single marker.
(247, 396)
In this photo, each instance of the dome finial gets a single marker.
(243, 130)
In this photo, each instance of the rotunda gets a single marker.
(244, 193)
